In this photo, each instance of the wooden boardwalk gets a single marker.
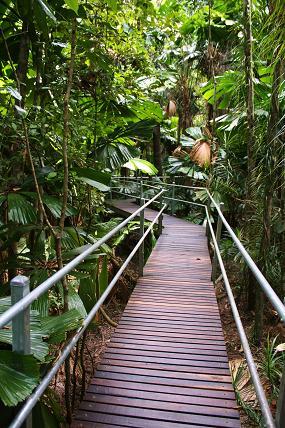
(166, 365)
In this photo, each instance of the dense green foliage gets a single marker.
(89, 89)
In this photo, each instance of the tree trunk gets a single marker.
(248, 64)
(23, 60)
(248, 51)
(157, 149)
(269, 187)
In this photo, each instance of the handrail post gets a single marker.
(218, 239)
(173, 197)
(160, 219)
(280, 411)
(141, 248)
(141, 191)
(209, 211)
(21, 335)
(21, 340)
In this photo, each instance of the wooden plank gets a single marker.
(149, 363)
(166, 365)
(93, 418)
(194, 380)
(209, 396)
(215, 360)
(124, 389)
(207, 389)
(177, 346)
(203, 359)
(170, 328)
(167, 336)
(148, 402)
(180, 364)
(158, 415)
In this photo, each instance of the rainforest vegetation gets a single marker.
(90, 89)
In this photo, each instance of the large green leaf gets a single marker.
(94, 178)
(94, 174)
(58, 326)
(95, 184)
(75, 302)
(87, 291)
(114, 155)
(19, 375)
(148, 110)
(195, 132)
(20, 210)
(39, 348)
(137, 164)
(54, 204)
(72, 4)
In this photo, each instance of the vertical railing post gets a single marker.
(141, 191)
(173, 197)
(218, 238)
(141, 248)
(209, 212)
(137, 181)
(280, 410)
(160, 218)
(21, 336)
(21, 341)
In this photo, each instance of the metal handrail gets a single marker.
(185, 202)
(32, 400)
(133, 180)
(264, 406)
(267, 289)
(56, 277)
(137, 180)
(21, 308)
(46, 285)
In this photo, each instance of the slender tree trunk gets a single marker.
(270, 184)
(157, 149)
(248, 63)
(23, 60)
(64, 201)
(248, 50)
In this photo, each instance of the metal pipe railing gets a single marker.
(46, 285)
(264, 406)
(25, 302)
(185, 202)
(265, 286)
(270, 293)
(136, 179)
(32, 400)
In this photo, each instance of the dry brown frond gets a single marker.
(201, 153)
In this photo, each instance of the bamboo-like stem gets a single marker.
(250, 132)
(64, 202)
